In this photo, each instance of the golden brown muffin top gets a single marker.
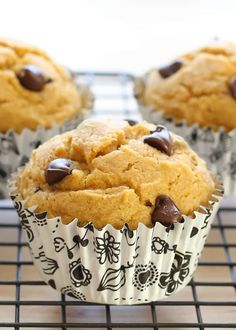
(109, 172)
(35, 90)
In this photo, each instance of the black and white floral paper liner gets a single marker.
(115, 266)
(218, 149)
(15, 149)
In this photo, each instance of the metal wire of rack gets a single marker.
(208, 302)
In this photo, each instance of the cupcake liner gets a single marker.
(112, 266)
(218, 149)
(15, 149)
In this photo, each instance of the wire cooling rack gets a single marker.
(208, 302)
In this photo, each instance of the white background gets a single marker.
(106, 35)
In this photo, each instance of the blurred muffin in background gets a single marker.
(35, 91)
(195, 96)
(197, 87)
(38, 99)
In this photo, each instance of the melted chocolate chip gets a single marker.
(232, 87)
(166, 212)
(57, 170)
(170, 69)
(33, 78)
(131, 122)
(160, 139)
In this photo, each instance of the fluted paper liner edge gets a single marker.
(115, 266)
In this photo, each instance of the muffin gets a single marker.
(195, 96)
(37, 98)
(116, 206)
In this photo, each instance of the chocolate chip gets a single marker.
(57, 170)
(170, 69)
(165, 212)
(232, 87)
(132, 122)
(160, 139)
(33, 78)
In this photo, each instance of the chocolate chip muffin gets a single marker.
(199, 87)
(116, 172)
(35, 91)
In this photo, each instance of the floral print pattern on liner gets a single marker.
(129, 235)
(49, 265)
(39, 218)
(207, 218)
(178, 273)
(52, 284)
(114, 266)
(28, 230)
(23, 215)
(194, 232)
(69, 291)
(160, 246)
(114, 278)
(80, 276)
(107, 248)
(145, 276)
(60, 244)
